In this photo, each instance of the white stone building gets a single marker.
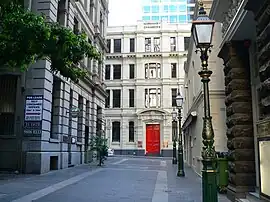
(60, 139)
(144, 70)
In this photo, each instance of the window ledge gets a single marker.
(115, 143)
(53, 140)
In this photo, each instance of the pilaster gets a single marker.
(239, 121)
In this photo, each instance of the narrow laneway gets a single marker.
(121, 180)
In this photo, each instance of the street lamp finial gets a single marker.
(201, 8)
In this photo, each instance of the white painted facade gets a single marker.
(157, 111)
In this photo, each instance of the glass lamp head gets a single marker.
(202, 29)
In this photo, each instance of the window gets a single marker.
(131, 45)
(191, 9)
(80, 119)
(117, 45)
(76, 26)
(182, 18)
(156, 44)
(190, 17)
(173, 70)
(166, 9)
(116, 71)
(155, 9)
(131, 131)
(155, 18)
(116, 98)
(108, 72)
(107, 101)
(164, 18)
(174, 94)
(147, 44)
(152, 97)
(182, 8)
(131, 98)
(152, 71)
(61, 12)
(146, 9)
(173, 19)
(92, 7)
(116, 131)
(101, 23)
(186, 42)
(55, 108)
(173, 43)
(131, 71)
(146, 18)
(172, 8)
(109, 45)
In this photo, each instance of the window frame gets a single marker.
(108, 99)
(117, 68)
(115, 103)
(131, 93)
(117, 49)
(116, 128)
(173, 97)
(174, 70)
(107, 72)
(132, 45)
(147, 44)
(131, 131)
(131, 71)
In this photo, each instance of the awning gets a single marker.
(191, 117)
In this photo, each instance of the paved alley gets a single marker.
(120, 180)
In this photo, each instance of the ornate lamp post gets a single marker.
(202, 32)
(174, 136)
(179, 104)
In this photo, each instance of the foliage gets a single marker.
(26, 37)
(22, 38)
(99, 144)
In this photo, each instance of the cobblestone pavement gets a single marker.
(122, 179)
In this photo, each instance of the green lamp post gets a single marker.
(179, 104)
(174, 135)
(202, 32)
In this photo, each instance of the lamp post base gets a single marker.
(209, 182)
(181, 173)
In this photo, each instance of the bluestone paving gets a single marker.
(123, 179)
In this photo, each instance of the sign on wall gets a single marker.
(33, 115)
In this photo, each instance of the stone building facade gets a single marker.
(245, 53)
(194, 104)
(62, 138)
(144, 70)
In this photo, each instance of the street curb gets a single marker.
(145, 157)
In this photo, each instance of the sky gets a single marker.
(124, 12)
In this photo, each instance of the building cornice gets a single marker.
(236, 14)
(177, 54)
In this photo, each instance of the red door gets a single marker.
(152, 139)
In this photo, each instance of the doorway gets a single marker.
(153, 139)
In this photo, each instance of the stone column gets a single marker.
(239, 122)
